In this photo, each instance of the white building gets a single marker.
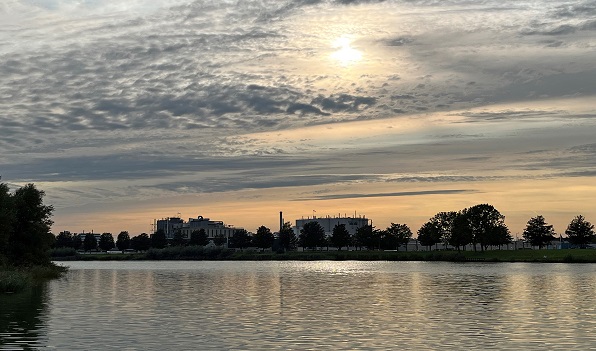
(212, 228)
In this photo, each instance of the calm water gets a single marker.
(306, 306)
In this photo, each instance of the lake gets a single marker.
(320, 305)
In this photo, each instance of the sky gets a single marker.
(128, 111)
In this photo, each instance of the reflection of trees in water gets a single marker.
(22, 318)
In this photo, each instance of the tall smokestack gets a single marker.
(281, 220)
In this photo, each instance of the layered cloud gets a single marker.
(106, 101)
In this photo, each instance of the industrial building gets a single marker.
(171, 225)
(328, 223)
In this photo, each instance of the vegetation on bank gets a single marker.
(205, 253)
(25, 239)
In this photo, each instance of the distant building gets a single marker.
(328, 223)
(213, 229)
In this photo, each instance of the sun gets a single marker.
(344, 53)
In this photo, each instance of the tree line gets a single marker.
(481, 226)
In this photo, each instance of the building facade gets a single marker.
(213, 229)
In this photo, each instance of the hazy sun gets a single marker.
(344, 53)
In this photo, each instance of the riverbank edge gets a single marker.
(17, 279)
(218, 254)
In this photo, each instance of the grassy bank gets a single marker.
(200, 253)
(17, 279)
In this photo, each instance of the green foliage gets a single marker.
(429, 234)
(287, 238)
(140, 242)
(263, 239)
(368, 237)
(63, 252)
(461, 234)
(580, 232)
(14, 281)
(25, 222)
(395, 236)
(220, 240)
(538, 233)
(64, 239)
(159, 240)
(240, 240)
(340, 236)
(178, 239)
(199, 238)
(106, 242)
(90, 243)
(123, 241)
(312, 235)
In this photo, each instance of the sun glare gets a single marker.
(344, 53)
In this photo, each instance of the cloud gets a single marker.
(396, 194)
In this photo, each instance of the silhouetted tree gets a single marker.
(263, 239)
(64, 239)
(90, 243)
(123, 241)
(219, 239)
(199, 238)
(106, 242)
(287, 238)
(340, 236)
(29, 237)
(538, 233)
(369, 237)
(159, 240)
(241, 239)
(140, 242)
(397, 235)
(461, 234)
(483, 222)
(77, 243)
(6, 220)
(429, 234)
(312, 235)
(178, 239)
(580, 232)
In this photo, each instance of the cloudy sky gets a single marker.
(126, 111)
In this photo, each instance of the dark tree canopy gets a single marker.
(241, 239)
(485, 224)
(159, 240)
(178, 239)
(369, 237)
(287, 238)
(106, 242)
(64, 239)
(219, 239)
(198, 238)
(580, 232)
(461, 234)
(340, 236)
(89, 243)
(140, 242)
(263, 239)
(25, 222)
(123, 241)
(429, 234)
(538, 233)
(395, 235)
(312, 235)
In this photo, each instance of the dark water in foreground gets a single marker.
(306, 306)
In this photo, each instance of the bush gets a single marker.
(63, 252)
(14, 281)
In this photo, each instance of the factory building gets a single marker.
(328, 223)
(171, 225)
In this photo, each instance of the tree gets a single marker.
(64, 239)
(90, 243)
(198, 238)
(287, 238)
(159, 240)
(580, 232)
(429, 234)
(263, 239)
(77, 243)
(461, 233)
(369, 237)
(312, 235)
(340, 236)
(538, 233)
(106, 242)
(240, 239)
(29, 238)
(396, 235)
(6, 219)
(483, 222)
(140, 242)
(178, 239)
(219, 239)
(123, 241)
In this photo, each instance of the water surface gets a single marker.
(321, 305)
